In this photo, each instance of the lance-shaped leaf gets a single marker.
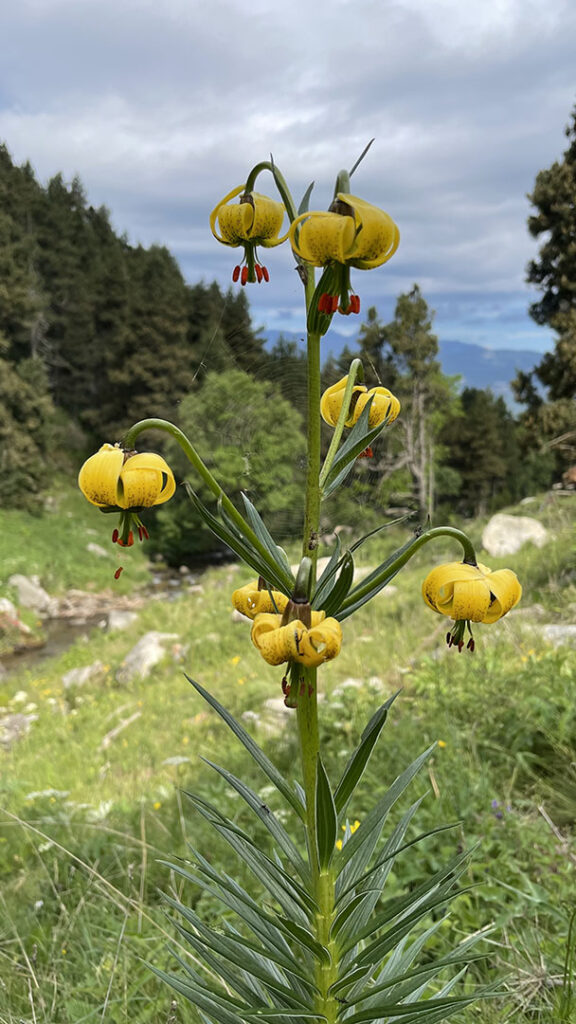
(267, 817)
(326, 817)
(339, 587)
(292, 897)
(228, 532)
(357, 851)
(375, 581)
(246, 955)
(257, 523)
(359, 438)
(355, 768)
(264, 762)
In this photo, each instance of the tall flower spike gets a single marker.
(254, 220)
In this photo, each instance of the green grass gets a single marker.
(53, 546)
(86, 822)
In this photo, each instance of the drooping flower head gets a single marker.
(470, 593)
(294, 642)
(254, 220)
(385, 406)
(126, 482)
(352, 233)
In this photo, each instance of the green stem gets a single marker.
(326, 974)
(355, 368)
(307, 718)
(391, 568)
(210, 481)
(281, 185)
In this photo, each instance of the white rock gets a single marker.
(251, 717)
(13, 727)
(559, 635)
(98, 550)
(275, 716)
(32, 595)
(119, 619)
(147, 653)
(81, 676)
(7, 608)
(505, 535)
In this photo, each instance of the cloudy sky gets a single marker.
(162, 108)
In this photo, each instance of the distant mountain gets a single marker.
(477, 366)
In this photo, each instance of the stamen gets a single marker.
(244, 276)
(258, 270)
(236, 273)
(265, 274)
(115, 536)
(118, 572)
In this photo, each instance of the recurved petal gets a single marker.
(331, 402)
(251, 601)
(384, 406)
(377, 236)
(214, 216)
(320, 643)
(319, 237)
(99, 476)
(146, 479)
(438, 587)
(268, 217)
(236, 222)
(272, 639)
(506, 591)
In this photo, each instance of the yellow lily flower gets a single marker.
(118, 481)
(255, 220)
(355, 233)
(352, 233)
(385, 406)
(310, 646)
(252, 602)
(470, 593)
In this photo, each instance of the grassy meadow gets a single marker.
(93, 798)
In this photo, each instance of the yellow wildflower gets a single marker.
(310, 646)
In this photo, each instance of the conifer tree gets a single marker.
(402, 356)
(26, 414)
(553, 417)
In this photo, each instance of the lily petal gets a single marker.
(385, 406)
(320, 237)
(251, 601)
(331, 402)
(215, 212)
(377, 236)
(506, 591)
(146, 479)
(320, 643)
(99, 476)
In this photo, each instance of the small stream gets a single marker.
(61, 633)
